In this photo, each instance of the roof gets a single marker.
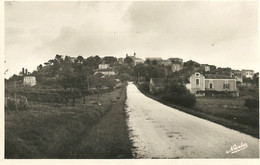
(138, 59)
(210, 76)
(247, 70)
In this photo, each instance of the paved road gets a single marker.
(159, 131)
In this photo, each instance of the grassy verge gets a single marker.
(230, 113)
(50, 130)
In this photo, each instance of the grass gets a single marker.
(229, 112)
(50, 130)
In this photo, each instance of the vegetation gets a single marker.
(50, 130)
(252, 103)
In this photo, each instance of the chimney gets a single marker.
(26, 71)
(126, 55)
(23, 71)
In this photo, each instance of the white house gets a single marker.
(103, 66)
(29, 80)
(248, 73)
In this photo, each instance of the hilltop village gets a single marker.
(200, 79)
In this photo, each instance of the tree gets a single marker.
(39, 68)
(109, 60)
(58, 58)
(147, 61)
(154, 62)
(92, 62)
(129, 61)
(124, 77)
(256, 79)
(82, 79)
(80, 59)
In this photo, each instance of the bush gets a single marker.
(21, 103)
(179, 95)
(145, 87)
(252, 103)
(186, 99)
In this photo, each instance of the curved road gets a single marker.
(159, 131)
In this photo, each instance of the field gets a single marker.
(229, 112)
(96, 129)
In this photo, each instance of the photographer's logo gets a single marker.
(235, 148)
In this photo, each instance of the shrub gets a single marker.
(179, 95)
(186, 99)
(252, 103)
(145, 87)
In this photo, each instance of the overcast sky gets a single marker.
(224, 34)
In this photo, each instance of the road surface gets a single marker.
(159, 131)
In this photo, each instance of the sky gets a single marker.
(220, 33)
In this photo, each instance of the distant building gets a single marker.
(247, 73)
(176, 67)
(120, 60)
(207, 67)
(29, 80)
(135, 59)
(177, 64)
(103, 66)
(238, 75)
(106, 72)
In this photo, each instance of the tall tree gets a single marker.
(129, 61)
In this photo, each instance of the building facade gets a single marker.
(201, 84)
(29, 80)
(247, 73)
(103, 66)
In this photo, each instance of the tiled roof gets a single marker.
(210, 76)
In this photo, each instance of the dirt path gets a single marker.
(159, 131)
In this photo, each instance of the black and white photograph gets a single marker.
(132, 80)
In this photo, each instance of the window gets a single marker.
(210, 85)
(197, 81)
(197, 74)
(226, 86)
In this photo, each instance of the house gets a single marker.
(238, 75)
(205, 67)
(138, 61)
(247, 73)
(135, 59)
(176, 67)
(103, 66)
(120, 60)
(197, 84)
(201, 85)
(29, 80)
(106, 72)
